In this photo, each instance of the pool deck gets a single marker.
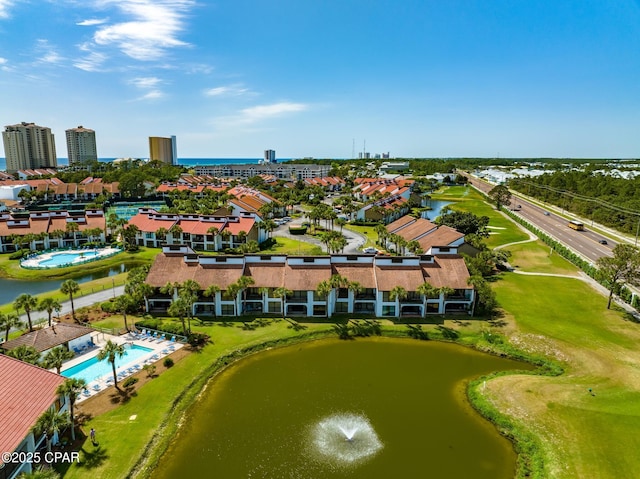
(161, 348)
(36, 261)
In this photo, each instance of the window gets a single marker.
(342, 307)
(388, 311)
(228, 310)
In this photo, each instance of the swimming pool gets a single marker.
(58, 259)
(92, 369)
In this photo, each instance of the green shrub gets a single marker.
(18, 254)
(130, 381)
(168, 362)
(107, 307)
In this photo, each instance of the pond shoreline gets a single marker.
(529, 458)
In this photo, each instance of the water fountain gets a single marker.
(345, 439)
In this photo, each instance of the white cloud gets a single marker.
(91, 62)
(4, 8)
(263, 112)
(50, 54)
(145, 82)
(3, 61)
(229, 90)
(150, 85)
(154, 27)
(152, 95)
(91, 22)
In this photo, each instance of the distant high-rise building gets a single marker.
(27, 145)
(270, 156)
(163, 149)
(81, 145)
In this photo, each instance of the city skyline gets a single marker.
(416, 78)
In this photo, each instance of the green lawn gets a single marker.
(537, 257)
(12, 269)
(502, 230)
(368, 231)
(582, 432)
(293, 246)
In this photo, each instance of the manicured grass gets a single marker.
(581, 432)
(12, 269)
(293, 247)
(85, 288)
(503, 230)
(368, 231)
(537, 257)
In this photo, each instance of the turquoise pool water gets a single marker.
(92, 369)
(58, 259)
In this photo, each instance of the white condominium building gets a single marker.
(81, 145)
(29, 146)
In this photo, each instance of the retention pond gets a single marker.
(370, 408)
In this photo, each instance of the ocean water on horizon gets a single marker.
(188, 162)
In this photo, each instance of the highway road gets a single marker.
(586, 243)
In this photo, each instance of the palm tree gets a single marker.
(70, 287)
(188, 291)
(323, 290)
(8, 322)
(49, 305)
(213, 231)
(397, 294)
(73, 229)
(27, 354)
(161, 233)
(121, 304)
(109, 352)
(179, 308)
(268, 225)
(28, 303)
(427, 290)
(212, 291)
(281, 293)
(71, 388)
(176, 232)
(243, 283)
(50, 422)
(56, 357)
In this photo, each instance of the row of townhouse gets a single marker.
(51, 229)
(55, 190)
(427, 235)
(295, 171)
(329, 183)
(377, 278)
(200, 232)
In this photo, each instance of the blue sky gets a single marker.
(416, 78)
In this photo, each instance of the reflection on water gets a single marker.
(10, 289)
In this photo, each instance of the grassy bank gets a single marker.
(11, 268)
(502, 229)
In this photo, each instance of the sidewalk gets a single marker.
(79, 302)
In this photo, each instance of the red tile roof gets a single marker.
(27, 391)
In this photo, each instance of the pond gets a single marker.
(436, 208)
(10, 289)
(369, 408)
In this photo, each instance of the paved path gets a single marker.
(78, 302)
(355, 240)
